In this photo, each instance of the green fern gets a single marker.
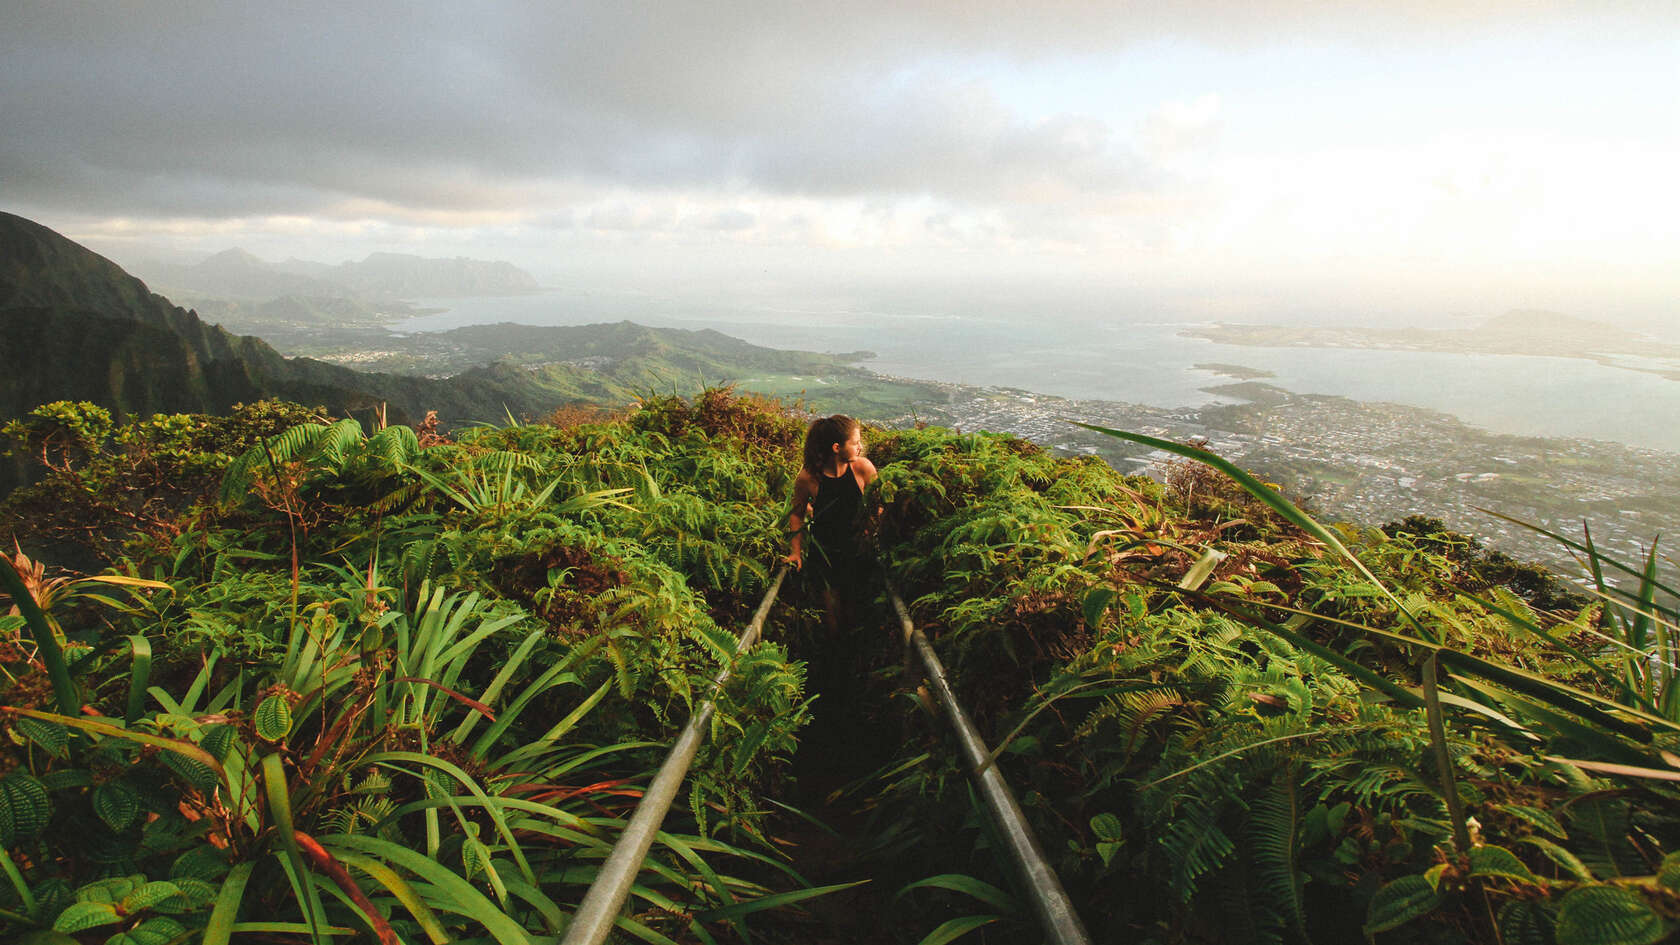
(1192, 846)
(1271, 833)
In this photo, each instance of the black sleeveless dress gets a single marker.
(837, 552)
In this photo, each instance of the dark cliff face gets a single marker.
(75, 326)
(41, 269)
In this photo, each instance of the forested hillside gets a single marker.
(322, 679)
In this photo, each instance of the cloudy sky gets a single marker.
(1225, 158)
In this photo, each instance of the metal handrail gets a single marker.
(597, 913)
(1049, 901)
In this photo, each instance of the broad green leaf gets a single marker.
(53, 738)
(273, 718)
(139, 673)
(200, 863)
(1492, 860)
(116, 804)
(156, 930)
(1607, 915)
(25, 808)
(148, 895)
(217, 740)
(66, 778)
(475, 857)
(1401, 901)
(81, 916)
(194, 772)
(110, 890)
(195, 895)
(1561, 856)
(1668, 873)
(1107, 827)
(1201, 570)
(1096, 603)
(1535, 817)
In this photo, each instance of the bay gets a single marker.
(1132, 358)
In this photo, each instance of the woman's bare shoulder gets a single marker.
(805, 482)
(864, 469)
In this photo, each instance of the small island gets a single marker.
(1533, 333)
(1236, 372)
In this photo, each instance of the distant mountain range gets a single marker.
(75, 326)
(236, 274)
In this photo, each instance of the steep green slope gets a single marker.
(75, 326)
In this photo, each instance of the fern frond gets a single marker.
(335, 444)
(1194, 845)
(386, 451)
(1274, 823)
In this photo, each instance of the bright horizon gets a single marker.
(1416, 161)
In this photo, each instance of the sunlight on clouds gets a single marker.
(1503, 201)
(1176, 126)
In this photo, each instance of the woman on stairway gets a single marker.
(826, 517)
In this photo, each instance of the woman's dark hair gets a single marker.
(824, 435)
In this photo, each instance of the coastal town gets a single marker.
(1371, 463)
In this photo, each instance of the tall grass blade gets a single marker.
(399, 888)
(226, 910)
(280, 813)
(1649, 671)
(1585, 549)
(451, 893)
(46, 641)
(25, 896)
(774, 901)
(968, 886)
(140, 673)
(1533, 629)
(108, 729)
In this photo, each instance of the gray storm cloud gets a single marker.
(220, 110)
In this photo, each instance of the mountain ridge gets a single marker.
(76, 326)
(238, 275)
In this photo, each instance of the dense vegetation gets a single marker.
(330, 679)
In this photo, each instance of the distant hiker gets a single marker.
(827, 515)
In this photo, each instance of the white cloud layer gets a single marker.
(1160, 142)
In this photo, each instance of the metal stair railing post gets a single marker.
(1050, 902)
(595, 915)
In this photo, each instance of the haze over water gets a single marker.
(1137, 359)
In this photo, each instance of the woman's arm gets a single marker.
(804, 489)
(864, 470)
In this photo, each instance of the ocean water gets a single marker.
(1138, 360)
